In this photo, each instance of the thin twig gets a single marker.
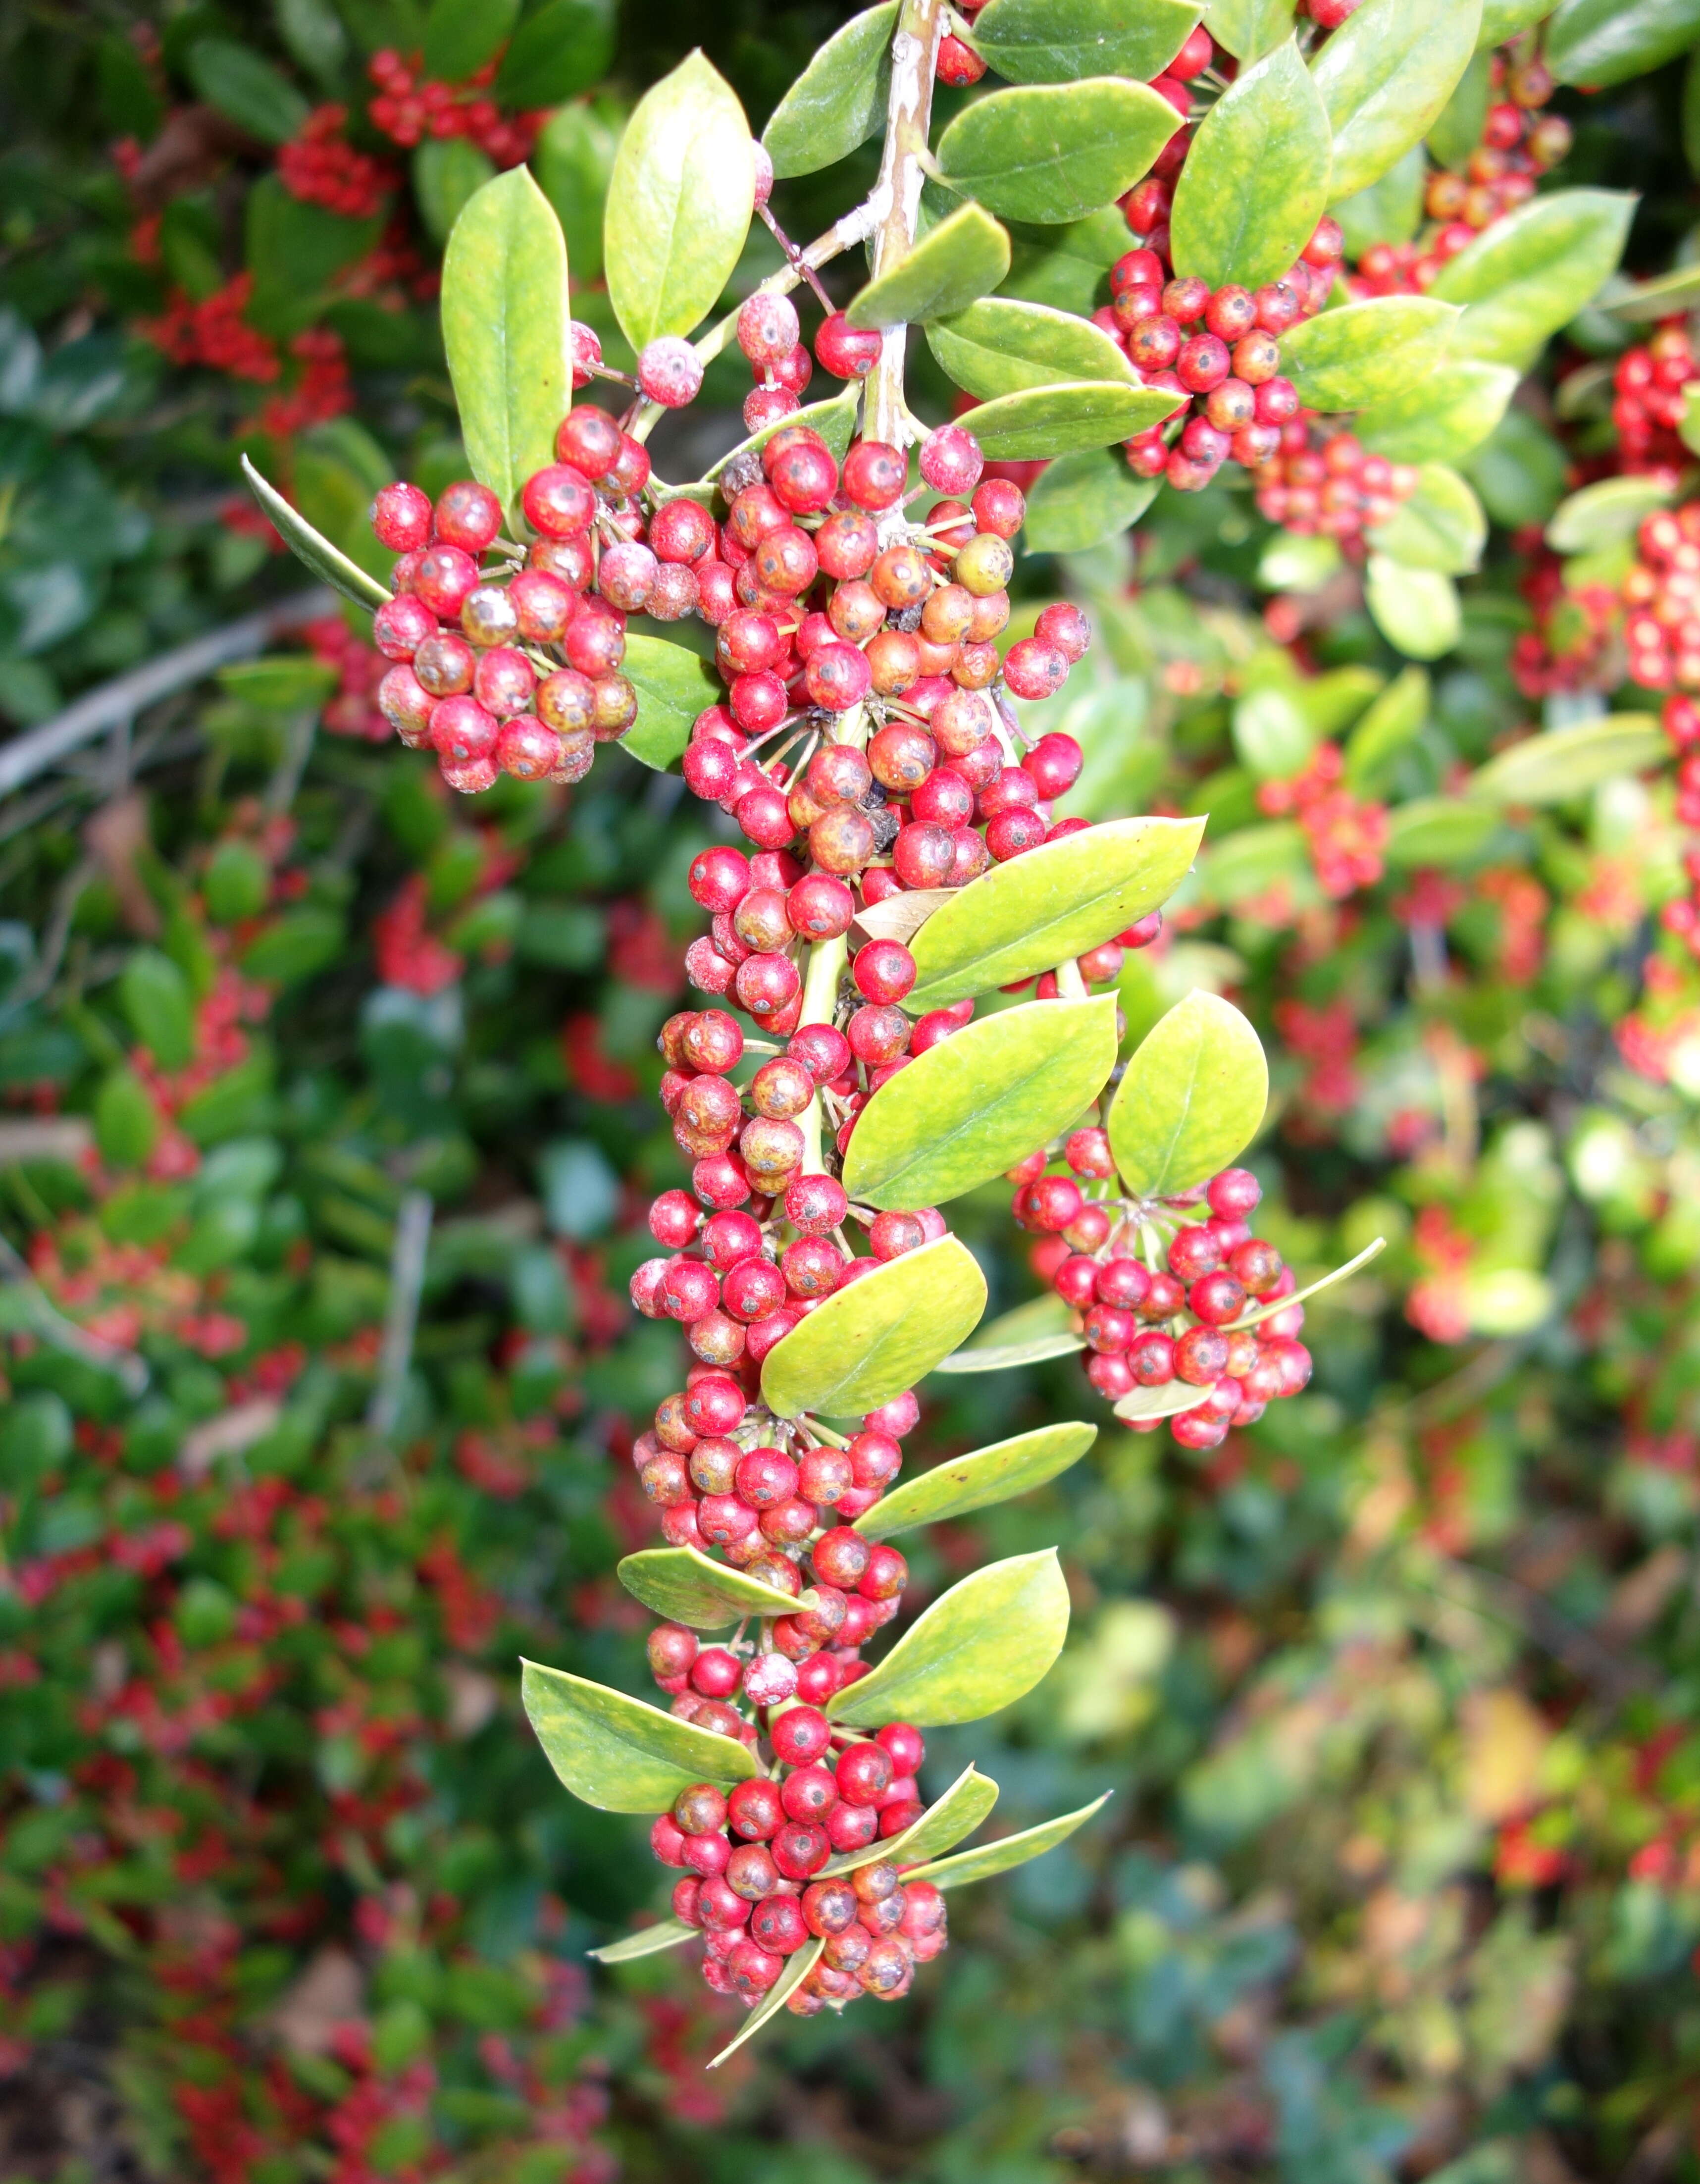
(401, 1318)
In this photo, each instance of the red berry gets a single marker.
(801, 1735)
(874, 476)
(847, 352)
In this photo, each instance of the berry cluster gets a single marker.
(352, 708)
(1649, 383)
(408, 109)
(321, 167)
(1148, 1324)
(212, 331)
(753, 1855)
(1519, 145)
(1220, 348)
(1347, 837)
(1327, 484)
(1681, 721)
(1661, 592)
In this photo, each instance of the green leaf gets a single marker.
(1520, 471)
(1565, 763)
(797, 1970)
(1271, 735)
(1606, 513)
(965, 1483)
(1530, 273)
(155, 997)
(618, 1754)
(962, 258)
(1384, 76)
(1079, 500)
(838, 101)
(126, 1121)
(566, 48)
(1167, 1402)
(979, 1647)
(1690, 113)
(1004, 1856)
(314, 33)
(1440, 526)
(246, 89)
(1458, 130)
(295, 252)
(1654, 299)
(940, 1827)
(1388, 211)
(462, 35)
(1057, 901)
(1250, 862)
(978, 1102)
(1597, 42)
(286, 683)
(647, 1941)
(1068, 418)
(1365, 353)
(1441, 421)
(1393, 722)
(1249, 29)
(679, 203)
(1060, 41)
(572, 160)
(1191, 1097)
(998, 346)
(1438, 830)
(690, 1587)
(1065, 266)
(1417, 610)
(448, 174)
(869, 1342)
(1256, 180)
(674, 686)
(1043, 1327)
(1501, 20)
(507, 328)
(1052, 152)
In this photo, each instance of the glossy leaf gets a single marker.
(295, 253)
(1256, 180)
(572, 160)
(1597, 42)
(1067, 418)
(1530, 273)
(1440, 526)
(1004, 1856)
(1272, 736)
(647, 1941)
(1441, 420)
(998, 346)
(1250, 862)
(1606, 512)
(565, 47)
(688, 1586)
(1391, 210)
(940, 1827)
(673, 685)
(1568, 762)
(1059, 40)
(1520, 471)
(979, 1647)
(1393, 722)
(979, 1101)
(989, 1475)
(1458, 130)
(1366, 352)
(156, 999)
(1501, 20)
(1438, 830)
(462, 35)
(1385, 75)
(448, 174)
(1043, 1327)
(320, 556)
(1190, 1098)
(618, 1754)
(838, 101)
(1052, 152)
(1417, 610)
(1167, 1402)
(1249, 29)
(953, 265)
(1656, 299)
(1079, 500)
(507, 329)
(797, 1970)
(1057, 901)
(869, 1342)
(1065, 266)
(246, 89)
(679, 203)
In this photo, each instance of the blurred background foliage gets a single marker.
(1398, 1691)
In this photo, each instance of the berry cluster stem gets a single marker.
(897, 196)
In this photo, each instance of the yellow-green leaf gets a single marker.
(647, 1941)
(1530, 273)
(1052, 152)
(998, 346)
(618, 1754)
(838, 101)
(1190, 1098)
(869, 1342)
(1384, 76)
(1256, 180)
(1040, 1329)
(940, 1827)
(688, 1586)
(979, 1647)
(1443, 417)
(1060, 41)
(1066, 417)
(1004, 1856)
(1368, 352)
(965, 1483)
(963, 257)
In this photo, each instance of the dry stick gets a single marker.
(897, 197)
(401, 1318)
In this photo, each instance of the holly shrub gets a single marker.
(1025, 748)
